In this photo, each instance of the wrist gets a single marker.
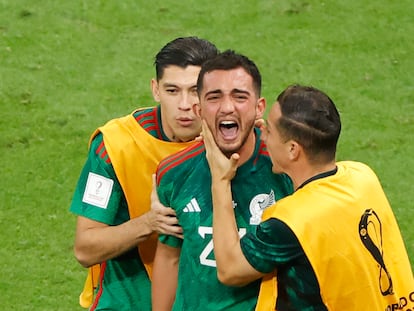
(144, 224)
(220, 183)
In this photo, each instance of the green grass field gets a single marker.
(67, 67)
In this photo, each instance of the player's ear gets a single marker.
(260, 107)
(294, 150)
(155, 90)
(197, 110)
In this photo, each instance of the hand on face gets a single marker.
(230, 105)
(221, 167)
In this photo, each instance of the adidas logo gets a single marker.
(192, 207)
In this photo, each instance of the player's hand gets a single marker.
(221, 167)
(160, 218)
(259, 123)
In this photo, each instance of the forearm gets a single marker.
(97, 242)
(164, 277)
(225, 233)
(232, 266)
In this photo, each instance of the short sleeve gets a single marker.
(98, 194)
(164, 190)
(272, 244)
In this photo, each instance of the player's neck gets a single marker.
(303, 173)
(247, 150)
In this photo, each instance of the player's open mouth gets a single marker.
(228, 129)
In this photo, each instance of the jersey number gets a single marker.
(204, 231)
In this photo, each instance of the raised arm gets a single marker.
(232, 266)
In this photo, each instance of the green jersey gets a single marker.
(184, 183)
(124, 283)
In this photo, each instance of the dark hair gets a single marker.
(183, 52)
(310, 117)
(229, 60)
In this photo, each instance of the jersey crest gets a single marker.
(258, 204)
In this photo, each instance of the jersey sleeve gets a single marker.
(98, 194)
(273, 244)
(164, 190)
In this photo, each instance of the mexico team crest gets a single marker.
(258, 204)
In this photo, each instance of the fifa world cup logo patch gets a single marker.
(370, 232)
(258, 204)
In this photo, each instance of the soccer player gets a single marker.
(185, 276)
(334, 244)
(115, 224)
